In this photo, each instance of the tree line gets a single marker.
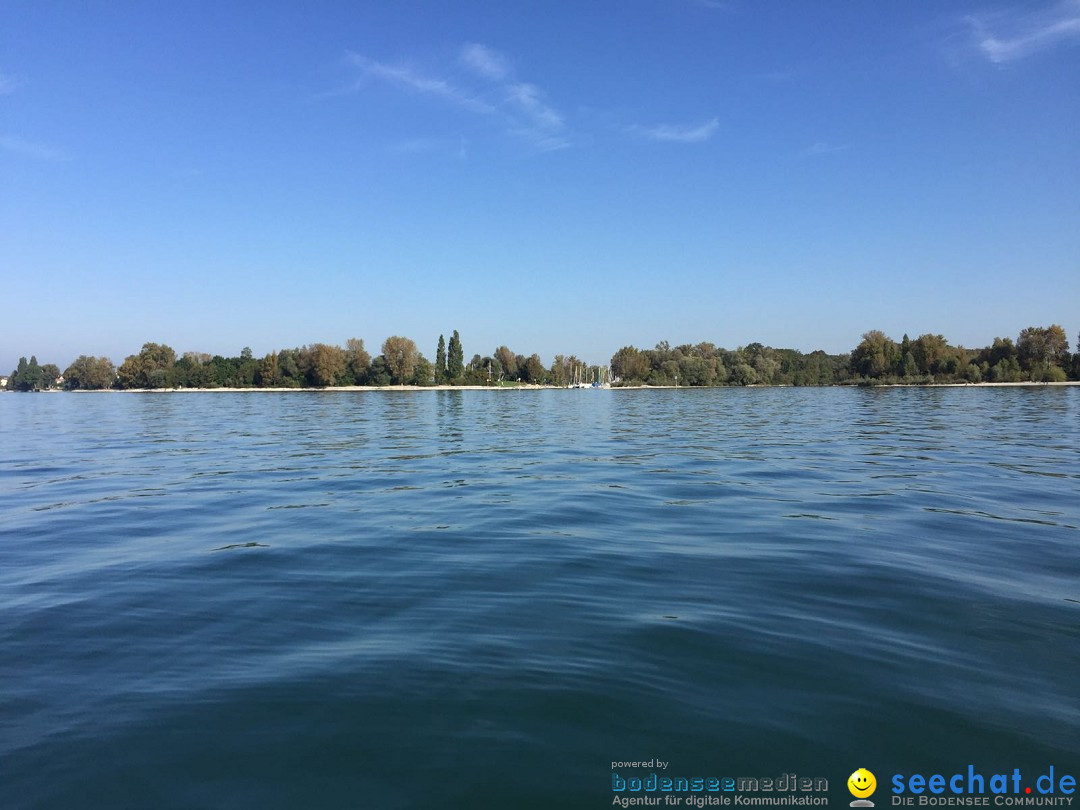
(1039, 354)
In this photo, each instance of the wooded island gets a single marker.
(1039, 354)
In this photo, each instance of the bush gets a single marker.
(1050, 374)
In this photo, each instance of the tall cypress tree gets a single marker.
(455, 362)
(15, 381)
(440, 361)
(28, 376)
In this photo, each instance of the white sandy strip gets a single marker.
(524, 387)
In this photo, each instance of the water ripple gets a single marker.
(261, 599)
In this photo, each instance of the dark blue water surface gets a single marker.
(481, 599)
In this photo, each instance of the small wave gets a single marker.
(992, 516)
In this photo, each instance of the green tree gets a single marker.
(1040, 348)
(455, 358)
(508, 361)
(440, 361)
(380, 372)
(357, 361)
(424, 373)
(187, 371)
(289, 366)
(1002, 349)
(744, 374)
(478, 370)
(152, 367)
(533, 370)
(269, 373)
(202, 374)
(630, 364)
(89, 373)
(1006, 370)
(696, 370)
(818, 369)
(15, 378)
(557, 373)
(401, 355)
(323, 365)
(35, 375)
(27, 376)
(245, 369)
(221, 372)
(876, 355)
(930, 353)
(50, 373)
(910, 368)
(764, 361)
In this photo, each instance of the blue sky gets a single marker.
(559, 177)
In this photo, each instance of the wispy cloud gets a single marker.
(1009, 36)
(486, 62)
(820, 148)
(409, 78)
(25, 148)
(8, 84)
(519, 107)
(692, 133)
(528, 99)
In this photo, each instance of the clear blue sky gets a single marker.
(561, 177)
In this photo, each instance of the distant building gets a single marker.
(3, 382)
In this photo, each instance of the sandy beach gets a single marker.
(526, 387)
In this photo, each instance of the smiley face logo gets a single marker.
(861, 783)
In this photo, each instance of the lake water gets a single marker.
(481, 599)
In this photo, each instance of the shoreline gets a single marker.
(527, 387)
